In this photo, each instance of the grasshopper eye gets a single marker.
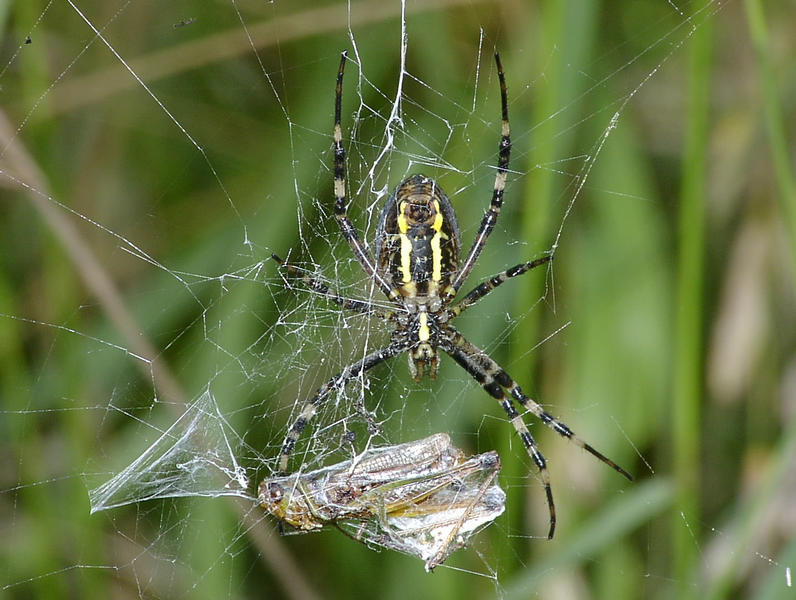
(274, 493)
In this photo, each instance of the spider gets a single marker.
(418, 267)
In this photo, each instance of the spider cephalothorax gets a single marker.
(419, 269)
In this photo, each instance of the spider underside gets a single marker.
(417, 266)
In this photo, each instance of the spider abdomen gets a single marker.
(417, 241)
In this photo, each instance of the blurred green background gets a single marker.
(136, 231)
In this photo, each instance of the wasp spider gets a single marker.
(418, 267)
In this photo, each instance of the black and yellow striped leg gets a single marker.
(340, 200)
(500, 376)
(322, 289)
(492, 378)
(474, 367)
(487, 286)
(491, 216)
(560, 428)
(335, 383)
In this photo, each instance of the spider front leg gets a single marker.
(493, 379)
(335, 383)
(487, 381)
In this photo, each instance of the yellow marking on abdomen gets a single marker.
(436, 257)
(406, 245)
(406, 258)
(436, 248)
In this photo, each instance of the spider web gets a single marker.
(166, 373)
